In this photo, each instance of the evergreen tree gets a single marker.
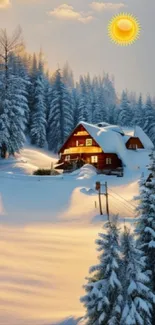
(67, 76)
(89, 91)
(139, 113)
(84, 109)
(145, 228)
(103, 291)
(38, 124)
(97, 115)
(109, 95)
(38, 114)
(19, 69)
(83, 112)
(60, 121)
(125, 115)
(75, 106)
(13, 116)
(31, 88)
(137, 297)
(101, 94)
(149, 125)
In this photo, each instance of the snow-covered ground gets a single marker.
(47, 232)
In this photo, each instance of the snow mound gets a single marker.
(87, 191)
(87, 171)
(97, 219)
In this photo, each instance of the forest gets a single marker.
(45, 106)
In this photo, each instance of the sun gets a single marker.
(124, 29)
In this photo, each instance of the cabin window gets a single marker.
(89, 142)
(94, 159)
(67, 158)
(133, 146)
(108, 161)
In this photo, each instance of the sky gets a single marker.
(76, 31)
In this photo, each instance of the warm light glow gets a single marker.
(82, 150)
(81, 133)
(124, 29)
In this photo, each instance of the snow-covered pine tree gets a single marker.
(145, 227)
(75, 105)
(139, 113)
(83, 112)
(38, 124)
(13, 117)
(38, 117)
(109, 95)
(48, 95)
(96, 115)
(33, 74)
(101, 94)
(149, 125)
(19, 69)
(67, 76)
(125, 115)
(96, 107)
(103, 297)
(89, 100)
(83, 101)
(5, 108)
(12, 97)
(60, 121)
(138, 299)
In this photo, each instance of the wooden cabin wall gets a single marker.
(101, 164)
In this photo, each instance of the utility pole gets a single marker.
(98, 188)
(107, 201)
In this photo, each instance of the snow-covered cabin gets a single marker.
(105, 147)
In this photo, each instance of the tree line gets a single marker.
(45, 108)
(121, 287)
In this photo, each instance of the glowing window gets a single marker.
(94, 159)
(89, 142)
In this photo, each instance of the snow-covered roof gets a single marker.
(139, 133)
(115, 128)
(108, 140)
(112, 138)
(102, 124)
(128, 131)
(145, 140)
(112, 127)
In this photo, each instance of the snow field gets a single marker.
(47, 236)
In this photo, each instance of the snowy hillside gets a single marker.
(29, 160)
(48, 228)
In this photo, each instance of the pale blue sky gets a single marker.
(81, 37)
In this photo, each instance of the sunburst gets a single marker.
(124, 29)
